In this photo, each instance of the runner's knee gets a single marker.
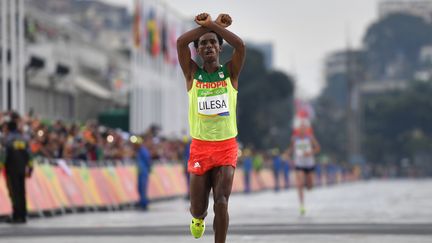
(198, 212)
(221, 202)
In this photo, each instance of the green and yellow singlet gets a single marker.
(212, 106)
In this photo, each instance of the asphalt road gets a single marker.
(373, 211)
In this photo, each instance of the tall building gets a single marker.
(420, 8)
(345, 73)
(55, 68)
(339, 67)
(337, 75)
(267, 50)
(425, 70)
(108, 24)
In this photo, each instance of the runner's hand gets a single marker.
(203, 19)
(224, 20)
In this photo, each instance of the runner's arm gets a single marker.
(237, 60)
(316, 148)
(183, 52)
(188, 65)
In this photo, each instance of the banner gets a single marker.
(87, 186)
(43, 194)
(56, 190)
(53, 188)
(115, 185)
(5, 206)
(70, 188)
(128, 182)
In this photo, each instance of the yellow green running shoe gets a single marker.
(302, 210)
(197, 227)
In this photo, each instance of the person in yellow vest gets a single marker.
(212, 91)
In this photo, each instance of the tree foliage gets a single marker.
(397, 125)
(330, 128)
(265, 103)
(396, 39)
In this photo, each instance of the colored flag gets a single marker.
(153, 35)
(136, 25)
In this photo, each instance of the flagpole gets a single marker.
(131, 90)
(132, 87)
(145, 70)
(13, 67)
(21, 65)
(140, 99)
(4, 61)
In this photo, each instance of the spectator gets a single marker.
(258, 165)
(186, 154)
(247, 169)
(144, 167)
(91, 142)
(17, 167)
(286, 169)
(277, 167)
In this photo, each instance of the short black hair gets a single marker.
(12, 125)
(14, 115)
(220, 39)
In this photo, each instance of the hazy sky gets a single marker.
(303, 32)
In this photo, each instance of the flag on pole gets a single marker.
(137, 25)
(153, 35)
(164, 37)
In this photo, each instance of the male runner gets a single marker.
(212, 91)
(304, 146)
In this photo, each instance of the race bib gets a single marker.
(213, 102)
(302, 147)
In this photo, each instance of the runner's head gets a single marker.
(209, 46)
(147, 140)
(12, 121)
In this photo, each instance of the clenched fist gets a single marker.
(203, 19)
(224, 20)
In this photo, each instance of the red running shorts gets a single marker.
(206, 155)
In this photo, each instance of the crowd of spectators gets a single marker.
(94, 143)
(90, 141)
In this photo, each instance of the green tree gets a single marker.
(397, 125)
(265, 103)
(396, 38)
(330, 128)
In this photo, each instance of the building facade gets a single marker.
(61, 67)
(158, 90)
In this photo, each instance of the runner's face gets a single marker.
(208, 47)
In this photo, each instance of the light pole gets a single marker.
(354, 75)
